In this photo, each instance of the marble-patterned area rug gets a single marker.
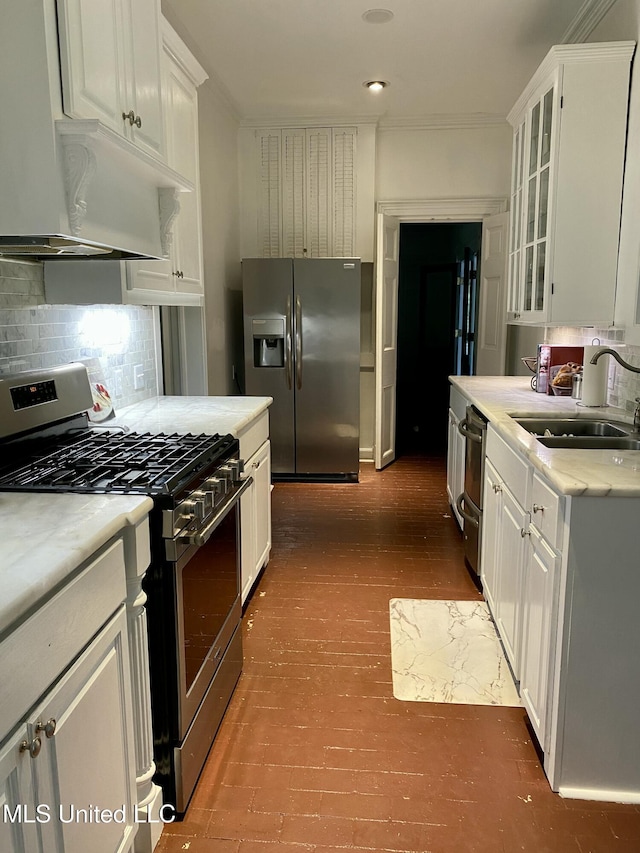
(448, 651)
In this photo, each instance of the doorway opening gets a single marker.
(437, 313)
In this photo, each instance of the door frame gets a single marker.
(427, 211)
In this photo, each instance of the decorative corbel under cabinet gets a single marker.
(88, 145)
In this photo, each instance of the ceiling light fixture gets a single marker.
(377, 16)
(376, 85)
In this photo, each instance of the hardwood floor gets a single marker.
(316, 755)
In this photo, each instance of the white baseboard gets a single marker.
(627, 797)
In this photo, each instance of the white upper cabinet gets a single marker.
(566, 186)
(110, 64)
(179, 280)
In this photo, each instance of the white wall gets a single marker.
(440, 163)
(621, 23)
(220, 236)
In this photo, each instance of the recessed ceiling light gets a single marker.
(376, 85)
(377, 16)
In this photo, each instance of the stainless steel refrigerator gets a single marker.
(302, 347)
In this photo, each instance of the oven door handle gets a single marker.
(203, 536)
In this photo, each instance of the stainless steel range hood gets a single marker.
(49, 248)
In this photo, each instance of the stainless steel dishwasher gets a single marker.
(474, 428)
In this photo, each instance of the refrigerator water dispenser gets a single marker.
(268, 343)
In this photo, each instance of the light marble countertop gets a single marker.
(45, 537)
(199, 415)
(571, 472)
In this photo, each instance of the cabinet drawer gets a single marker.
(35, 654)
(512, 467)
(547, 511)
(458, 403)
(254, 435)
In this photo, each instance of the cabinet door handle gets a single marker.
(49, 728)
(178, 273)
(130, 117)
(137, 122)
(538, 508)
(497, 487)
(32, 747)
(524, 532)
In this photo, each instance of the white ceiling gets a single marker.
(279, 59)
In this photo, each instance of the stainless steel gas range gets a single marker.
(192, 586)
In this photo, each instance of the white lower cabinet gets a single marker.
(75, 763)
(538, 638)
(455, 464)
(256, 518)
(456, 450)
(512, 555)
(560, 575)
(17, 799)
(490, 546)
(503, 555)
(67, 778)
(519, 570)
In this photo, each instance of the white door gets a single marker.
(492, 313)
(387, 250)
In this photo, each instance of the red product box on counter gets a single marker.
(554, 356)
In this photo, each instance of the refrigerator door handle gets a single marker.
(287, 346)
(298, 338)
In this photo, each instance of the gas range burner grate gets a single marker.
(106, 462)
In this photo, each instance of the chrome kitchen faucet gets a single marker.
(622, 363)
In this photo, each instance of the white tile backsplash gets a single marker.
(35, 335)
(624, 386)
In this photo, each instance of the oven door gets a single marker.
(208, 605)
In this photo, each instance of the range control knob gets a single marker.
(216, 486)
(196, 505)
(232, 469)
(227, 472)
(238, 466)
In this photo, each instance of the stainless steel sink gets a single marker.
(582, 433)
(573, 427)
(591, 442)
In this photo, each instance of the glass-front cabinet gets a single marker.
(532, 164)
(515, 230)
(568, 146)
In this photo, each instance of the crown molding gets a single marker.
(469, 209)
(181, 54)
(443, 121)
(436, 121)
(589, 16)
(309, 121)
(569, 54)
(222, 96)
